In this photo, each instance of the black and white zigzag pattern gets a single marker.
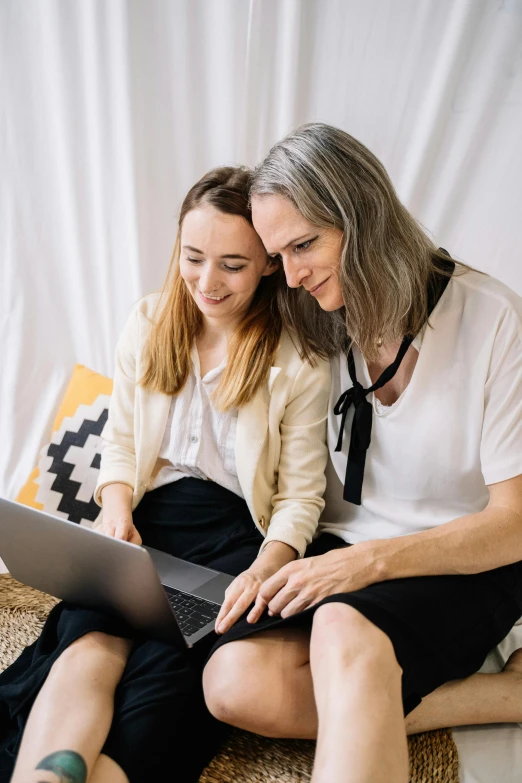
(70, 464)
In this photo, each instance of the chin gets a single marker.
(329, 304)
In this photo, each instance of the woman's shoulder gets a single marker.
(289, 359)
(142, 315)
(488, 291)
(485, 312)
(148, 306)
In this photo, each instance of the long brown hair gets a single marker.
(178, 321)
(387, 259)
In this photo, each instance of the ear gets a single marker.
(272, 265)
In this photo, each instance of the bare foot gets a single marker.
(514, 662)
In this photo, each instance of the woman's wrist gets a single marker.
(116, 500)
(379, 559)
(278, 551)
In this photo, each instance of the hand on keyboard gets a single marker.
(245, 588)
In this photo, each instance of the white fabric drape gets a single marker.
(111, 109)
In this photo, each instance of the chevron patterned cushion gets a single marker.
(63, 482)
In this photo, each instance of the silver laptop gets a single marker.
(155, 593)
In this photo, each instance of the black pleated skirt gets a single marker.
(159, 705)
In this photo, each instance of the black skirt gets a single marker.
(159, 705)
(441, 627)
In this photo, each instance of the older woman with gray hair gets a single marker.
(416, 574)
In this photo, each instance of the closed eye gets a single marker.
(304, 245)
(197, 261)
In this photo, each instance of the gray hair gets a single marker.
(386, 260)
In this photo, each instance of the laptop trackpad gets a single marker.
(189, 577)
(179, 573)
(214, 589)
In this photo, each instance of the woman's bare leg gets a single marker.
(71, 717)
(263, 684)
(357, 686)
(279, 701)
(481, 698)
(107, 771)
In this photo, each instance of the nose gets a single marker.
(208, 280)
(295, 272)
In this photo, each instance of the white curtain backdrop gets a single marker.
(111, 109)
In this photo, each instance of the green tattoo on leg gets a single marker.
(67, 765)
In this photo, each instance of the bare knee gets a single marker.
(251, 683)
(345, 637)
(97, 656)
(230, 681)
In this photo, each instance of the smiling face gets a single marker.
(222, 262)
(310, 254)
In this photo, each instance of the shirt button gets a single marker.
(194, 439)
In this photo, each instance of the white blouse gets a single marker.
(199, 441)
(455, 429)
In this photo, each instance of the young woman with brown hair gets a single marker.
(215, 453)
(418, 573)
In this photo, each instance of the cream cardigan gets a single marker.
(280, 438)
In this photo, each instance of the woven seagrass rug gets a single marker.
(245, 758)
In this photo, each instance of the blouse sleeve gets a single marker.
(501, 442)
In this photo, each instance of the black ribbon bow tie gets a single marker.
(361, 433)
(362, 422)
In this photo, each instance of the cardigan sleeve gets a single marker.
(118, 462)
(298, 501)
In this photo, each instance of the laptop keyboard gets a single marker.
(192, 613)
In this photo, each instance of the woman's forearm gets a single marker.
(117, 500)
(468, 545)
(471, 544)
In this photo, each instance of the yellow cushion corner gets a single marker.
(84, 386)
